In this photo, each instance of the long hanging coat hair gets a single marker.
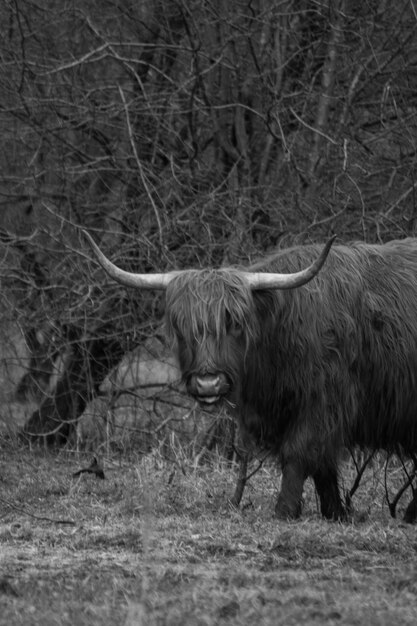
(311, 369)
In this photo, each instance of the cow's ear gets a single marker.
(269, 302)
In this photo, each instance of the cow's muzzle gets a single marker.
(208, 388)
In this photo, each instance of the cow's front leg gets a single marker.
(290, 498)
(327, 486)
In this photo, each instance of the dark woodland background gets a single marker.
(181, 134)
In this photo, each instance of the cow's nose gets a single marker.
(208, 385)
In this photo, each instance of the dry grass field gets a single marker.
(156, 543)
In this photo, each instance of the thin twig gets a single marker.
(314, 130)
(409, 482)
(260, 463)
(403, 196)
(359, 473)
(139, 164)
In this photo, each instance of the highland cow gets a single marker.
(310, 360)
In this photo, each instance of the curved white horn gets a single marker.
(260, 280)
(140, 281)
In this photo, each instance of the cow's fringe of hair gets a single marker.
(202, 303)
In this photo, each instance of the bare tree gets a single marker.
(187, 134)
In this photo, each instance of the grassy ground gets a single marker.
(156, 543)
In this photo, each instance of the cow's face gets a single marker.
(210, 314)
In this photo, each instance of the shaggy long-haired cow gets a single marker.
(316, 349)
